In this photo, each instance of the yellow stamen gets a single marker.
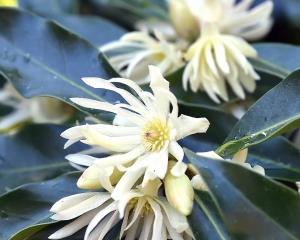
(155, 134)
(146, 208)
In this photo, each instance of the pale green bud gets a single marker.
(179, 192)
(90, 179)
(185, 24)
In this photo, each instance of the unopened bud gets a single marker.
(91, 178)
(180, 193)
(241, 156)
(8, 3)
(298, 186)
(184, 22)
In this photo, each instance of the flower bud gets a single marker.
(179, 192)
(184, 22)
(8, 3)
(91, 178)
(298, 186)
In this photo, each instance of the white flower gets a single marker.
(143, 134)
(235, 18)
(144, 215)
(137, 50)
(216, 59)
(37, 110)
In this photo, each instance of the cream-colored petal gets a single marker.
(105, 106)
(119, 159)
(177, 220)
(70, 201)
(104, 84)
(210, 154)
(176, 150)
(74, 226)
(179, 169)
(189, 125)
(82, 207)
(147, 227)
(123, 202)
(98, 218)
(126, 183)
(158, 219)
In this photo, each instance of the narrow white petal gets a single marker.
(177, 220)
(105, 106)
(179, 169)
(81, 159)
(210, 154)
(70, 201)
(98, 218)
(123, 202)
(189, 125)
(74, 226)
(147, 227)
(158, 220)
(126, 183)
(119, 159)
(176, 150)
(81, 208)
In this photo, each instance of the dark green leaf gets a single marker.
(50, 8)
(253, 206)
(34, 154)
(96, 30)
(43, 59)
(128, 12)
(29, 205)
(279, 157)
(205, 219)
(277, 58)
(276, 112)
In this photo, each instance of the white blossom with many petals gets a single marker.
(235, 18)
(137, 50)
(142, 136)
(144, 214)
(37, 110)
(217, 59)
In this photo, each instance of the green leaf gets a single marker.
(276, 112)
(34, 154)
(278, 156)
(277, 58)
(50, 60)
(50, 8)
(253, 206)
(205, 219)
(96, 30)
(29, 205)
(128, 12)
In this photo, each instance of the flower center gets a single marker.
(155, 134)
(147, 209)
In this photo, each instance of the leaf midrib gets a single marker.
(33, 169)
(210, 217)
(55, 73)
